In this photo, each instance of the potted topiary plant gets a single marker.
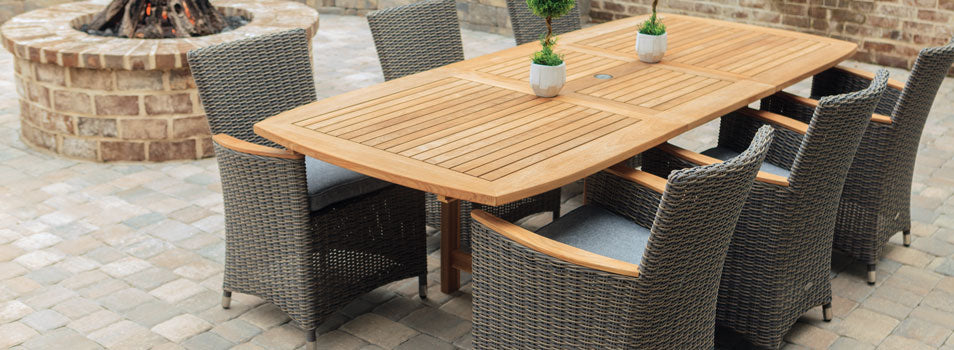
(547, 69)
(651, 39)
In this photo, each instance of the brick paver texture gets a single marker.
(130, 255)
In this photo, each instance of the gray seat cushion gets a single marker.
(599, 231)
(329, 184)
(726, 154)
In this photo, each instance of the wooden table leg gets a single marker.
(450, 242)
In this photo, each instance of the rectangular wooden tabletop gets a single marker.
(475, 131)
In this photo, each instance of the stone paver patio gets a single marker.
(129, 256)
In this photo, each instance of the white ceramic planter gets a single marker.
(547, 81)
(650, 48)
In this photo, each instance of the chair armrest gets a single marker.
(553, 248)
(702, 159)
(875, 117)
(640, 177)
(892, 83)
(775, 119)
(242, 146)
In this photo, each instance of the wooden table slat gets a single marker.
(490, 98)
(492, 127)
(448, 124)
(455, 156)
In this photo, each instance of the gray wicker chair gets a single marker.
(638, 267)
(528, 27)
(417, 37)
(422, 36)
(302, 234)
(876, 201)
(779, 261)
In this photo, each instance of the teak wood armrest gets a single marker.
(875, 117)
(892, 83)
(553, 248)
(702, 159)
(775, 119)
(237, 145)
(640, 177)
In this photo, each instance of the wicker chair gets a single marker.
(638, 267)
(779, 261)
(876, 201)
(302, 234)
(528, 27)
(401, 34)
(417, 37)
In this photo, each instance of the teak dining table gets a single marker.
(474, 130)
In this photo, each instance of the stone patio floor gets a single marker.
(129, 256)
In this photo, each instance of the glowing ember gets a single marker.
(189, 15)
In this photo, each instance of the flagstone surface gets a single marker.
(129, 256)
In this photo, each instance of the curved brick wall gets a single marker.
(111, 115)
(111, 99)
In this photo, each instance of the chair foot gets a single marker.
(226, 299)
(422, 286)
(826, 312)
(907, 237)
(311, 339)
(872, 273)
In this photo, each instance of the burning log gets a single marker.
(153, 19)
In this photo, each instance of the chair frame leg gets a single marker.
(872, 274)
(827, 313)
(422, 286)
(226, 299)
(311, 339)
(906, 234)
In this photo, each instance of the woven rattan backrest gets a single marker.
(417, 37)
(528, 27)
(244, 81)
(913, 107)
(683, 261)
(829, 146)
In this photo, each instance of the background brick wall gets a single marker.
(888, 32)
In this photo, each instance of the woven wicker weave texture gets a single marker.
(528, 27)
(779, 261)
(524, 299)
(401, 34)
(309, 264)
(876, 202)
(417, 37)
(245, 81)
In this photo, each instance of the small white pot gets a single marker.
(547, 81)
(650, 48)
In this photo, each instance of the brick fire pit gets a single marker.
(111, 99)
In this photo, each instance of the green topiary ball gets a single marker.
(551, 8)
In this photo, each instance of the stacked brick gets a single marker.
(111, 115)
(888, 32)
(111, 99)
